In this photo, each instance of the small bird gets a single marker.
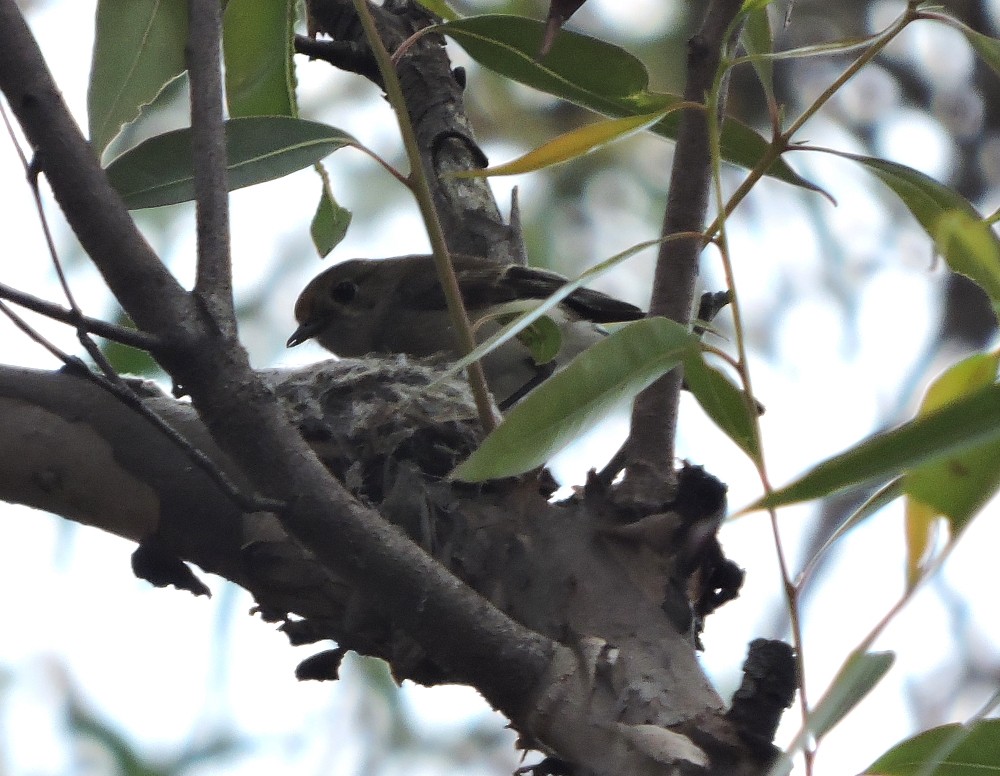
(396, 305)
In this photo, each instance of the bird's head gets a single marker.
(337, 308)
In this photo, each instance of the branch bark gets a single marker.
(213, 281)
(650, 448)
(468, 213)
(625, 695)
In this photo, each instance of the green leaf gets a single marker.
(329, 224)
(927, 199)
(966, 242)
(257, 42)
(575, 399)
(724, 403)
(957, 486)
(159, 170)
(596, 75)
(543, 339)
(971, 248)
(949, 750)
(578, 68)
(960, 426)
(759, 44)
(130, 361)
(988, 48)
(856, 678)
(138, 49)
(441, 8)
(573, 144)
(127, 360)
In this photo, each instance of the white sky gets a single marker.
(839, 329)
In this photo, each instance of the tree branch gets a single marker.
(650, 448)
(481, 645)
(110, 331)
(92, 207)
(348, 56)
(628, 667)
(466, 207)
(213, 282)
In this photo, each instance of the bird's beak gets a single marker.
(306, 331)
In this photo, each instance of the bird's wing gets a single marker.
(585, 302)
(485, 284)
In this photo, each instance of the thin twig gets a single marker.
(109, 331)
(31, 172)
(783, 141)
(92, 207)
(717, 230)
(82, 334)
(791, 591)
(105, 230)
(802, 737)
(34, 335)
(384, 165)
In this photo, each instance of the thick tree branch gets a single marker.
(482, 646)
(562, 570)
(650, 450)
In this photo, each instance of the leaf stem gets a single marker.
(782, 141)
(717, 230)
(743, 369)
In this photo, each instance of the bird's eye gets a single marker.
(344, 291)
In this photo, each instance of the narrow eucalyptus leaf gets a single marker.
(575, 399)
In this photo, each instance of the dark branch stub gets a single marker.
(769, 684)
(344, 55)
(321, 667)
(157, 565)
(550, 766)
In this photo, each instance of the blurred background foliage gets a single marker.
(928, 103)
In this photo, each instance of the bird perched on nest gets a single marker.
(396, 305)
